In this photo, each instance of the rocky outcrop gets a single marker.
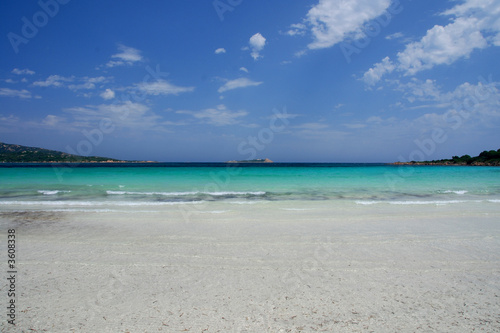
(258, 160)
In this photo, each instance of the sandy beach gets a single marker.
(263, 267)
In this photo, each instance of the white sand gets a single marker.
(274, 267)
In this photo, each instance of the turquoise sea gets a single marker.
(164, 184)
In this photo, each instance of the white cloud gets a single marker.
(9, 123)
(297, 29)
(22, 71)
(238, 83)
(418, 90)
(84, 83)
(331, 21)
(486, 11)
(243, 69)
(220, 50)
(311, 126)
(88, 83)
(354, 125)
(395, 35)
(442, 45)
(374, 74)
(52, 121)
(257, 43)
(53, 80)
(475, 25)
(480, 100)
(162, 87)
(128, 115)
(108, 94)
(284, 116)
(10, 119)
(127, 56)
(15, 93)
(219, 116)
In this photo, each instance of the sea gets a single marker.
(126, 187)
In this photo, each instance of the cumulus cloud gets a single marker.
(332, 21)
(162, 87)
(442, 45)
(87, 83)
(297, 29)
(481, 99)
(257, 43)
(128, 115)
(238, 83)
(417, 90)
(15, 93)
(108, 94)
(475, 24)
(54, 81)
(218, 116)
(220, 50)
(126, 56)
(374, 74)
(22, 71)
(52, 120)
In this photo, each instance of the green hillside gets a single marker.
(487, 157)
(18, 153)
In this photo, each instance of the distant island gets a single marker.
(258, 160)
(486, 158)
(10, 153)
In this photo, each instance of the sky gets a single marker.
(218, 80)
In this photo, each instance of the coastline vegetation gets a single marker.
(10, 153)
(487, 158)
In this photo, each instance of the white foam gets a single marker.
(461, 192)
(245, 202)
(296, 209)
(52, 192)
(433, 202)
(183, 193)
(150, 193)
(96, 203)
(215, 211)
(235, 193)
(83, 210)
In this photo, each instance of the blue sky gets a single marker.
(305, 81)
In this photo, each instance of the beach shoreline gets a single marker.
(268, 267)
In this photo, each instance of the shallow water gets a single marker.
(146, 186)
